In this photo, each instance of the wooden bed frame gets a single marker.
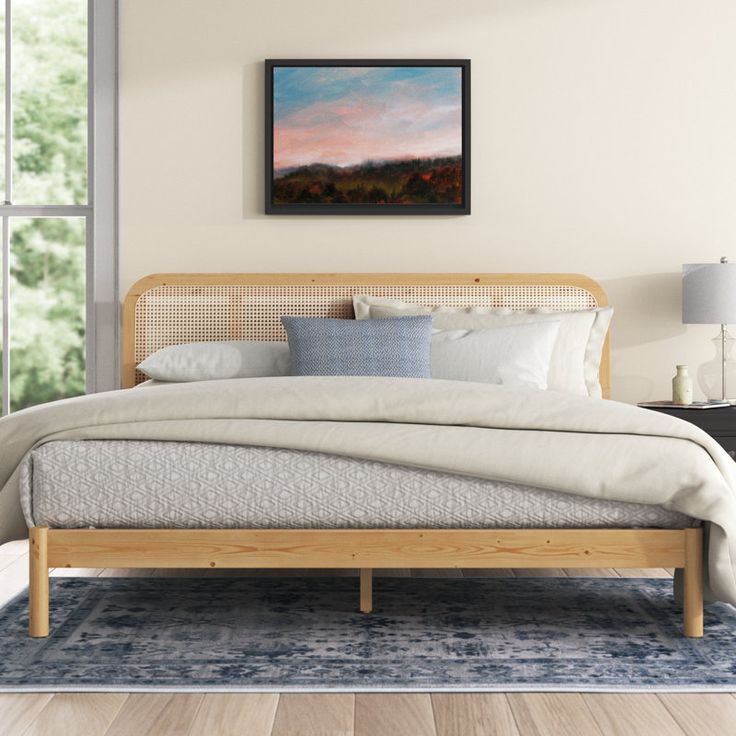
(168, 309)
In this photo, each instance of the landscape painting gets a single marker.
(367, 137)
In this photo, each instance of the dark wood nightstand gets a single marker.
(719, 423)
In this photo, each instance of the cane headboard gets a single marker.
(170, 309)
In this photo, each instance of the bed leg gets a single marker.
(693, 583)
(366, 589)
(38, 582)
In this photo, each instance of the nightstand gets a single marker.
(719, 423)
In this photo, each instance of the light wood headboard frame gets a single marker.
(169, 309)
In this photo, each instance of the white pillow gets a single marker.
(210, 361)
(577, 353)
(517, 355)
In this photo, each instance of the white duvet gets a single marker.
(590, 447)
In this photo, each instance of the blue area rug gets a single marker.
(425, 634)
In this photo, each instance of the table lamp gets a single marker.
(709, 298)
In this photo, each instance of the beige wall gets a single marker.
(604, 141)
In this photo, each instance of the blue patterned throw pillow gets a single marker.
(399, 346)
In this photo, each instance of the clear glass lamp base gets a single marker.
(710, 373)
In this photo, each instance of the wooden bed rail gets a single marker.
(366, 549)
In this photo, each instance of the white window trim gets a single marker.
(103, 310)
(102, 318)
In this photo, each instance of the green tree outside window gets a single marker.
(47, 255)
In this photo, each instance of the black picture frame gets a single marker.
(272, 208)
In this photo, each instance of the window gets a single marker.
(59, 269)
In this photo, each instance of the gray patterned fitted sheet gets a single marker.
(116, 483)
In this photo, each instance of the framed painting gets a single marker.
(368, 137)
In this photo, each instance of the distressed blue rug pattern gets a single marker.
(222, 633)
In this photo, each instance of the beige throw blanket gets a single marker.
(579, 445)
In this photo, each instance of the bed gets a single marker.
(169, 309)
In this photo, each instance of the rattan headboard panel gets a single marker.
(172, 309)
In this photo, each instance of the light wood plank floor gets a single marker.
(440, 714)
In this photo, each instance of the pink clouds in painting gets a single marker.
(400, 120)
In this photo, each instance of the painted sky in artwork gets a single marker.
(347, 115)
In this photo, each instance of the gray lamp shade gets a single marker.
(709, 293)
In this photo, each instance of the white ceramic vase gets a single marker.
(682, 387)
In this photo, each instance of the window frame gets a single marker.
(101, 211)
